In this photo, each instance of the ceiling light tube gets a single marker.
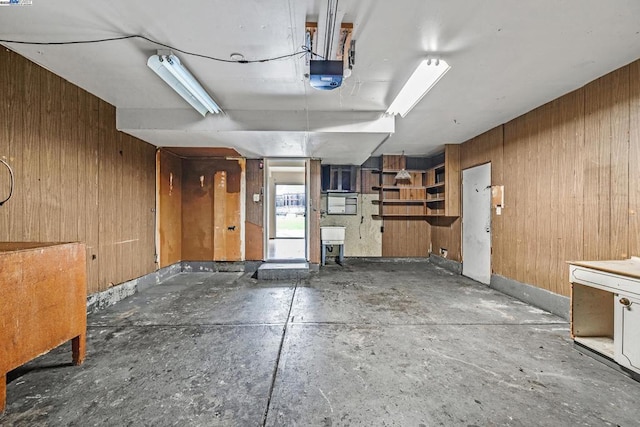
(154, 64)
(188, 81)
(169, 68)
(428, 73)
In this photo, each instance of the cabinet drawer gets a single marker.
(603, 280)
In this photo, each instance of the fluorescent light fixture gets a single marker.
(428, 73)
(169, 68)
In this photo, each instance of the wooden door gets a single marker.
(226, 220)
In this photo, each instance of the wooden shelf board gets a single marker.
(399, 216)
(438, 185)
(438, 199)
(400, 201)
(395, 187)
(394, 171)
(437, 167)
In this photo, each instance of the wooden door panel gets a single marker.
(227, 227)
(219, 215)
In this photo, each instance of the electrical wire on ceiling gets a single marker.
(304, 50)
(12, 182)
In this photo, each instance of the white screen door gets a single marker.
(476, 223)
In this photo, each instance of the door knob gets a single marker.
(626, 303)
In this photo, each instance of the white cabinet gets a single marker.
(342, 204)
(336, 204)
(605, 309)
(627, 341)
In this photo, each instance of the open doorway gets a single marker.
(290, 211)
(286, 213)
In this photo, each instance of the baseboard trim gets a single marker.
(111, 296)
(538, 297)
(541, 298)
(388, 259)
(225, 266)
(115, 294)
(447, 264)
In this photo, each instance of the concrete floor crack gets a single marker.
(277, 364)
(184, 325)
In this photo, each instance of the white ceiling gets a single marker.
(507, 57)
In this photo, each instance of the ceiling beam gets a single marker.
(129, 119)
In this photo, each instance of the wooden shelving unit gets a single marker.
(429, 193)
(403, 198)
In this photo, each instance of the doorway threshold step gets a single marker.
(283, 270)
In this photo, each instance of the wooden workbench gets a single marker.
(43, 295)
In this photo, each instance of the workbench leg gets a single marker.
(3, 392)
(78, 348)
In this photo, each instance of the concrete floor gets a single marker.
(367, 344)
(286, 249)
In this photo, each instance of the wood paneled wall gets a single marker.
(446, 235)
(368, 180)
(446, 232)
(254, 231)
(77, 177)
(202, 217)
(201, 220)
(170, 207)
(405, 237)
(571, 175)
(315, 187)
(634, 159)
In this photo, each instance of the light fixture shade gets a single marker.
(171, 70)
(403, 175)
(428, 73)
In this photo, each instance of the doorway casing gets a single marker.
(284, 172)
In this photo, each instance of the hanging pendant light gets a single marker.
(403, 175)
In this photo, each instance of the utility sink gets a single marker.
(332, 235)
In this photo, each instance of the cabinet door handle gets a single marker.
(626, 303)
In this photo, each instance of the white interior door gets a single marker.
(476, 223)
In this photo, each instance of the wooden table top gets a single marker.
(628, 267)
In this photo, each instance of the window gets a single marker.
(339, 178)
